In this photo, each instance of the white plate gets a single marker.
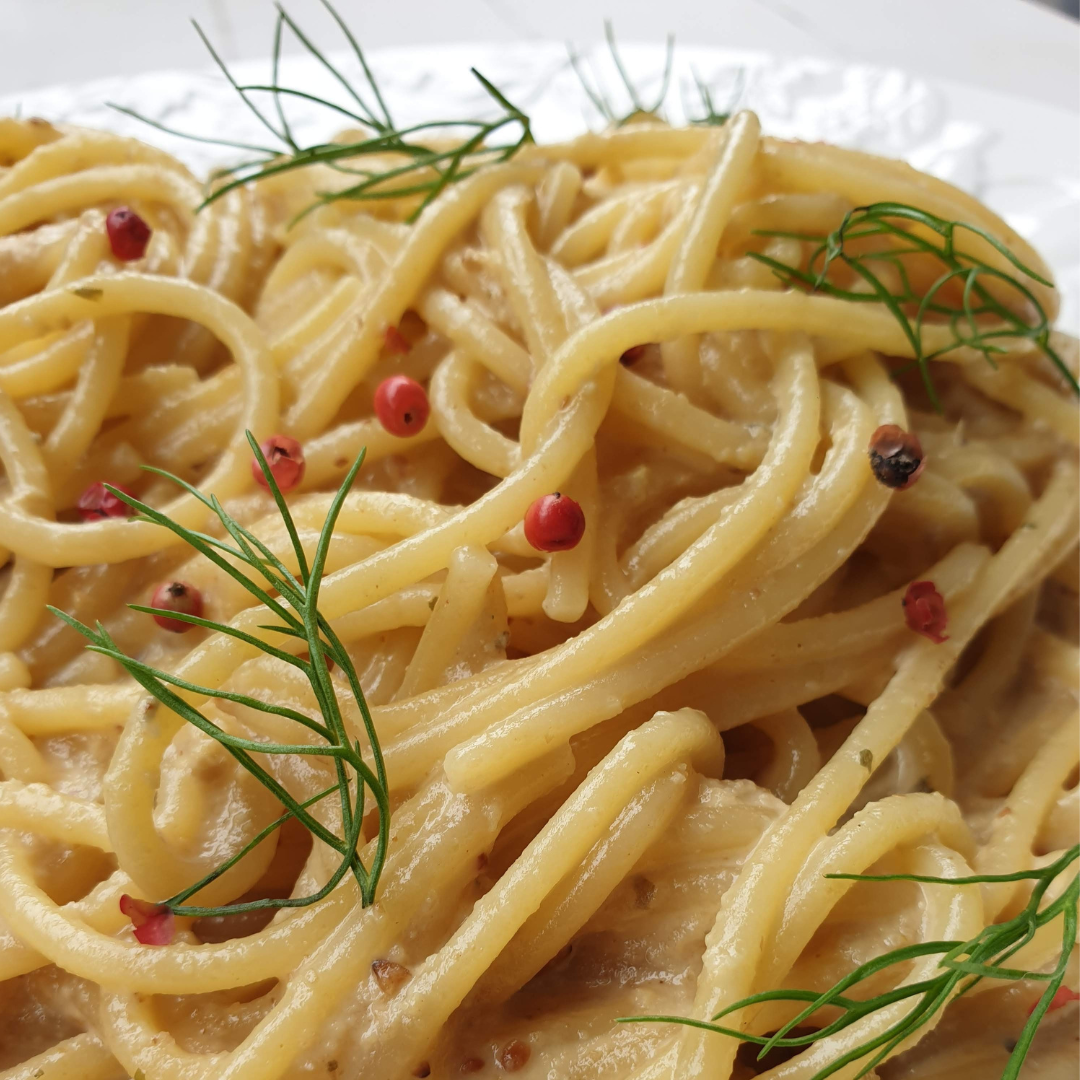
(1019, 156)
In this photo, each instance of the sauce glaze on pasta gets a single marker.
(619, 772)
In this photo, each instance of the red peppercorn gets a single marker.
(924, 611)
(285, 457)
(97, 502)
(514, 1055)
(896, 457)
(1060, 999)
(554, 523)
(402, 406)
(390, 976)
(395, 341)
(128, 234)
(180, 597)
(632, 355)
(154, 923)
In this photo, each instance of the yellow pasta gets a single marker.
(620, 766)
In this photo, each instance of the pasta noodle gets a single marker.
(620, 771)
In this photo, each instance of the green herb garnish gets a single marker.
(712, 116)
(295, 605)
(965, 319)
(962, 966)
(602, 102)
(597, 94)
(426, 171)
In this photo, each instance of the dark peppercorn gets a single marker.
(896, 457)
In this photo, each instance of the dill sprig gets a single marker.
(978, 319)
(293, 599)
(962, 966)
(597, 94)
(712, 116)
(425, 171)
(432, 155)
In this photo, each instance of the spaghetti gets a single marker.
(620, 765)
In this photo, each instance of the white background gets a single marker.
(1011, 46)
